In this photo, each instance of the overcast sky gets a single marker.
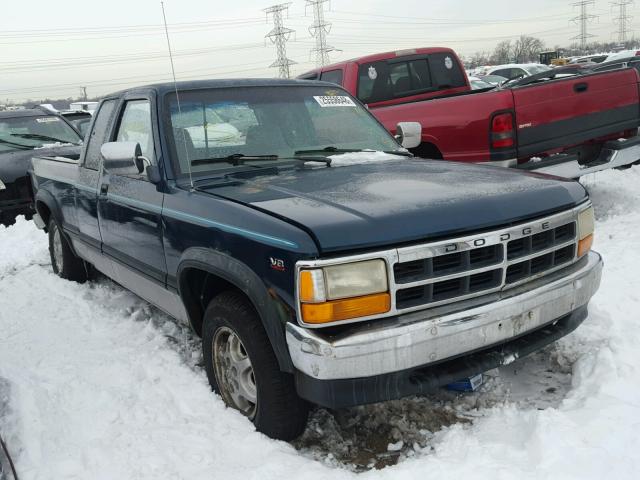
(51, 48)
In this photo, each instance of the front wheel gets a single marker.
(64, 262)
(243, 369)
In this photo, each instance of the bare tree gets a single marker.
(502, 53)
(526, 49)
(479, 59)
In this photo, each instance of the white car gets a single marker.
(515, 70)
(623, 54)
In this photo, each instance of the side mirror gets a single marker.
(125, 158)
(409, 134)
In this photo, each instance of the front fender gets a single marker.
(245, 279)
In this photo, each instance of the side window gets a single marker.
(98, 134)
(505, 72)
(332, 76)
(446, 71)
(135, 126)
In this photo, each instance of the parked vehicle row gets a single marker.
(318, 259)
(570, 122)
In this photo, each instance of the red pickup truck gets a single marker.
(564, 122)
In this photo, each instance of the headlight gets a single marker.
(2, 186)
(343, 292)
(586, 225)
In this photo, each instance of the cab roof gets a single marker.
(377, 57)
(168, 87)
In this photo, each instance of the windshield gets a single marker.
(269, 121)
(27, 133)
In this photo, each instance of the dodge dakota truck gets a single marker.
(21, 133)
(320, 262)
(566, 122)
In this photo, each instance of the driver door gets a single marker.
(130, 206)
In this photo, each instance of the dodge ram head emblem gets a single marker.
(277, 264)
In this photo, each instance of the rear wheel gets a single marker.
(64, 262)
(243, 369)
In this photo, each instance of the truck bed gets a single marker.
(549, 117)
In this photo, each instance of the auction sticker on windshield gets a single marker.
(47, 119)
(334, 101)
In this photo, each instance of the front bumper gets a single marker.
(415, 352)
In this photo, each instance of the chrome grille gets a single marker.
(448, 271)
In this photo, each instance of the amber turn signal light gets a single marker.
(336, 310)
(584, 245)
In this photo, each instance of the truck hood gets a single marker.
(14, 165)
(400, 201)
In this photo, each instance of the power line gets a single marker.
(623, 20)
(448, 21)
(583, 20)
(319, 30)
(279, 37)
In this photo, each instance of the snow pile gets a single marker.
(357, 158)
(102, 386)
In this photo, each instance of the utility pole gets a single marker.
(582, 20)
(279, 37)
(84, 93)
(319, 30)
(623, 20)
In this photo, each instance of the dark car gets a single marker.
(23, 134)
(80, 119)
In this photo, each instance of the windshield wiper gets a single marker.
(19, 145)
(330, 149)
(399, 152)
(234, 159)
(37, 136)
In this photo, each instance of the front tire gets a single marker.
(64, 262)
(242, 367)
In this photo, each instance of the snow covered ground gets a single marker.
(96, 384)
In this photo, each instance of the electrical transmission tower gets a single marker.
(279, 37)
(582, 20)
(319, 30)
(84, 93)
(623, 20)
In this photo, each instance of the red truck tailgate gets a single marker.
(573, 110)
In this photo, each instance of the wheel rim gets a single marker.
(234, 372)
(57, 249)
